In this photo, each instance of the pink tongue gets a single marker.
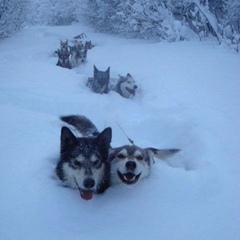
(129, 176)
(86, 195)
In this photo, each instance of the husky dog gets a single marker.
(125, 86)
(84, 162)
(88, 45)
(100, 81)
(129, 163)
(63, 59)
(64, 47)
(78, 53)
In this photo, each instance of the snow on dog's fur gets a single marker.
(129, 163)
(84, 162)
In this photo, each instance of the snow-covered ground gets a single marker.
(188, 98)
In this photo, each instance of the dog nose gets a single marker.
(135, 87)
(88, 183)
(131, 165)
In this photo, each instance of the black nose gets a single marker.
(135, 86)
(88, 183)
(131, 165)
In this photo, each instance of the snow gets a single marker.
(188, 98)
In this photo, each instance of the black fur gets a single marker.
(72, 147)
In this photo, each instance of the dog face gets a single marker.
(84, 162)
(88, 45)
(78, 45)
(64, 46)
(82, 55)
(126, 86)
(129, 164)
(100, 80)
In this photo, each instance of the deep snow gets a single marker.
(188, 98)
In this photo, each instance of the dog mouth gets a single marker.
(131, 91)
(128, 178)
(85, 194)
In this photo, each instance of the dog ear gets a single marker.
(103, 140)
(129, 75)
(162, 153)
(68, 140)
(108, 72)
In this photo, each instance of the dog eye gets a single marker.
(121, 156)
(139, 157)
(77, 163)
(96, 163)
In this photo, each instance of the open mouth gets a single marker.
(128, 178)
(85, 194)
(131, 91)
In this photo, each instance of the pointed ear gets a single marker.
(108, 71)
(129, 75)
(68, 140)
(162, 153)
(94, 68)
(104, 138)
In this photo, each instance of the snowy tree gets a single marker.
(54, 12)
(12, 16)
(134, 18)
(231, 23)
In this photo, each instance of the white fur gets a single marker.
(78, 175)
(120, 165)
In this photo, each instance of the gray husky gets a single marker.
(84, 162)
(100, 81)
(129, 163)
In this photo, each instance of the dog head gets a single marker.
(100, 80)
(88, 45)
(82, 55)
(126, 86)
(63, 59)
(84, 161)
(78, 45)
(64, 46)
(130, 163)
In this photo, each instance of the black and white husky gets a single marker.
(84, 162)
(125, 86)
(99, 83)
(78, 53)
(129, 163)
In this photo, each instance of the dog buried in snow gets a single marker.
(128, 163)
(102, 83)
(125, 86)
(84, 162)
